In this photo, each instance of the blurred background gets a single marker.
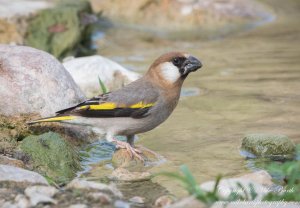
(249, 83)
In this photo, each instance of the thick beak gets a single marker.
(192, 64)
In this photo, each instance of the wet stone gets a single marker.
(137, 200)
(122, 159)
(164, 201)
(122, 174)
(100, 197)
(41, 194)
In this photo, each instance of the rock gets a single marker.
(121, 158)
(78, 206)
(52, 155)
(137, 200)
(14, 16)
(121, 204)
(274, 146)
(86, 70)
(200, 16)
(4, 160)
(17, 8)
(190, 202)
(41, 194)
(21, 201)
(262, 177)
(12, 130)
(83, 184)
(100, 197)
(122, 174)
(34, 82)
(227, 186)
(58, 36)
(164, 201)
(10, 173)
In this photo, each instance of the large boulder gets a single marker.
(33, 81)
(86, 72)
(274, 146)
(51, 155)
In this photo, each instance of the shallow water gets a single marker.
(249, 84)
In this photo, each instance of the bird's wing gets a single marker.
(131, 101)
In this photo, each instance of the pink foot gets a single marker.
(131, 150)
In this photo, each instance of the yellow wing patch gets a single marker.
(111, 106)
(53, 119)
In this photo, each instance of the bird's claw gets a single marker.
(131, 150)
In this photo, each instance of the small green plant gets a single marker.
(288, 174)
(190, 184)
(102, 86)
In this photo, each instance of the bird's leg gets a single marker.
(130, 140)
(131, 150)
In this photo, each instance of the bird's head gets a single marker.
(174, 67)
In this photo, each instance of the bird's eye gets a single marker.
(176, 61)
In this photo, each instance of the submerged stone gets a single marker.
(122, 158)
(52, 156)
(274, 146)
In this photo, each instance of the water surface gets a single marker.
(249, 84)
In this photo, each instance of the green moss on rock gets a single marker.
(58, 30)
(52, 156)
(274, 146)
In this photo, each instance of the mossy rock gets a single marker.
(273, 146)
(52, 156)
(57, 30)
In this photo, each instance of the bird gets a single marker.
(136, 108)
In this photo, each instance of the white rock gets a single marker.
(86, 70)
(190, 202)
(41, 194)
(78, 206)
(137, 199)
(83, 184)
(11, 173)
(227, 186)
(262, 177)
(21, 201)
(33, 81)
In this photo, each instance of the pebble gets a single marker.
(78, 206)
(121, 204)
(84, 184)
(164, 201)
(15, 174)
(4, 160)
(41, 194)
(122, 174)
(137, 200)
(101, 197)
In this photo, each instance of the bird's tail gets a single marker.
(52, 119)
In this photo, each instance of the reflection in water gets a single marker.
(251, 83)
